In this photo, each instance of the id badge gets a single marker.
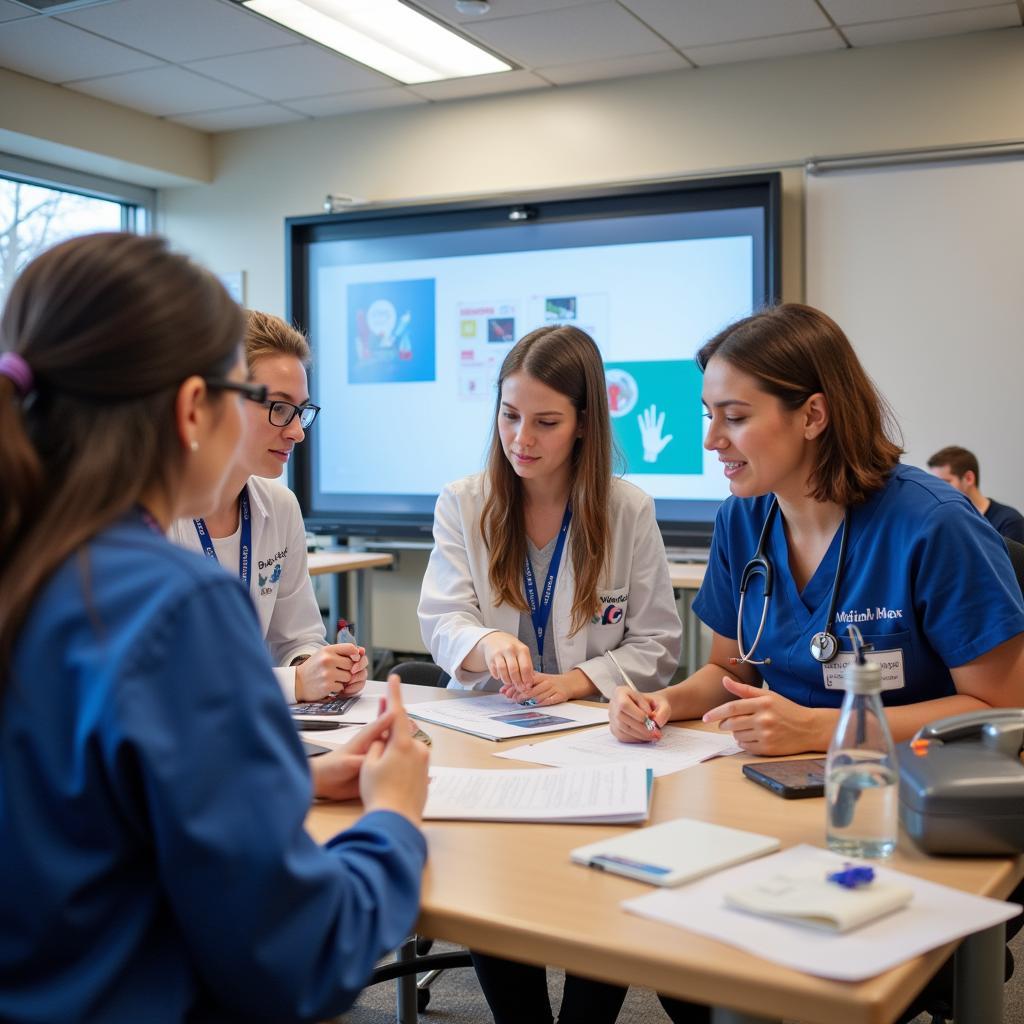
(890, 662)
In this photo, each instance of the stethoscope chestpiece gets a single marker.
(824, 646)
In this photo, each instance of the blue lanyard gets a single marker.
(540, 610)
(246, 543)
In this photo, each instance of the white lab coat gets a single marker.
(456, 608)
(286, 606)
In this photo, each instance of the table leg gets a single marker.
(406, 1010)
(364, 615)
(978, 971)
(719, 1015)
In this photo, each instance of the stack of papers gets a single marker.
(936, 915)
(616, 794)
(497, 718)
(677, 749)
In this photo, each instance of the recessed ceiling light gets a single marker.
(385, 35)
(472, 6)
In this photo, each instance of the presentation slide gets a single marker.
(408, 350)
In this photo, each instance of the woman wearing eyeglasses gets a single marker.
(257, 530)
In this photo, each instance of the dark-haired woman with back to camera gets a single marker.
(153, 860)
(542, 566)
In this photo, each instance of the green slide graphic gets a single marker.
(652, 401)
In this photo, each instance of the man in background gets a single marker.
(959, 467)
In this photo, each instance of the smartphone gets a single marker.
(792, 780)
(314, 749)
(314, 725)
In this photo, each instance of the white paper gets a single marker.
(677, 749)
(331, 737)
(936, 915)
(497, 718)
(615, 793)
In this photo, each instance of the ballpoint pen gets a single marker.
(649, 723)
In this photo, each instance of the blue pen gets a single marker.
(853, 876)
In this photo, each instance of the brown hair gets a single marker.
(110, 326)
(795, 351)
(268, 335)
(959, 460)
(566, 360)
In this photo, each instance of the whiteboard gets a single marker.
(922, 267)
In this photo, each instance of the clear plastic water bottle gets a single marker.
(861, 774)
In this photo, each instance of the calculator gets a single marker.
(332, 706)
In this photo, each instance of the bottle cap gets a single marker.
(865, 678)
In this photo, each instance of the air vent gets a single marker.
(58, 6)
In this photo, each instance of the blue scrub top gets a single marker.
(924, 573)
(153, 860)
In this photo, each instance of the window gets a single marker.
(41, 206)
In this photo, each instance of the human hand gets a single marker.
(629, 709)
(394, 773)
(552, 688)
(651, 423)
(508, 660)
(336, 774)
(766, 723)
(336, 668)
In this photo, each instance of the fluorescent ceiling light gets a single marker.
(385, 35)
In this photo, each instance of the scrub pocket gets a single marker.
(890, 650)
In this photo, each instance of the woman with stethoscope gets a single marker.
(825, 528)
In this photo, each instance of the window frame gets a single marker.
(138, 203)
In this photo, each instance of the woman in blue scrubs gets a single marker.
(808, 447)
(153, 860)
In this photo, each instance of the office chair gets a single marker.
(413, 957)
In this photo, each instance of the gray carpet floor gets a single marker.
(456, 999)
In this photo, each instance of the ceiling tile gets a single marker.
(853, 12)
(616, 67)
(478, 85)
(445, 9)
(183, 29)
(588, 31)
(953, 24)
(239, 117)
(687, 23)
(44, 48)
(163, 91)
(287, 72)
(10, 12)
(766, 49)
(353, 102)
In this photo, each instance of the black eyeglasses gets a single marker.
(281, 414)
(251, 392)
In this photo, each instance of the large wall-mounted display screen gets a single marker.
(411, 311)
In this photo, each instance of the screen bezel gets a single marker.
(683, 523)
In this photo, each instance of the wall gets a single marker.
(733, 117)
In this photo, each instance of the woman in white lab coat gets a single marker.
(258, 531)
(542, 565)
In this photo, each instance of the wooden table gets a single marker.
(361, 563)
(686, 579)
(510, 890)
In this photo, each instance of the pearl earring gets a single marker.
(194, 445)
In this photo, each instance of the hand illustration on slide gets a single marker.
(651, 423)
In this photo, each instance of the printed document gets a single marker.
(609, 795)
(935, 915)
(677, 749)
(497, 718)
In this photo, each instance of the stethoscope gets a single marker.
(824, 645)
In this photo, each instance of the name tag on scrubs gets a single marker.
(891, 663)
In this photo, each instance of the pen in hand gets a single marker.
(649, 723)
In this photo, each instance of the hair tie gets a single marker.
(14, 366)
